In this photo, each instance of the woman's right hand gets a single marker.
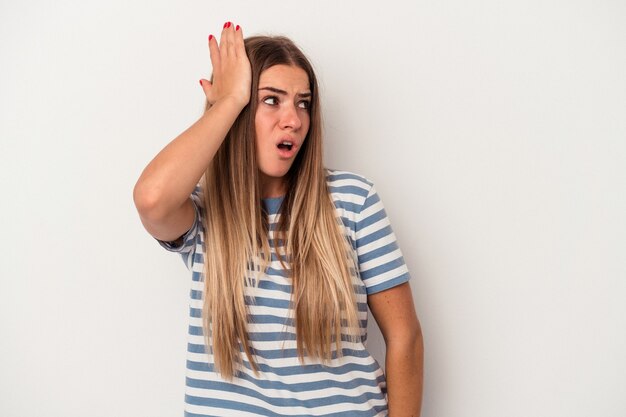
(232, 75)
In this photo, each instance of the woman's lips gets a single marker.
(285, 152)
(286, 149)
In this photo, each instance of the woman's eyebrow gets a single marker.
(283, 92)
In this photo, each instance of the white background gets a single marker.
(494, 131)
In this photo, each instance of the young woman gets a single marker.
(285, 255)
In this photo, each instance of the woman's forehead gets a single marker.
(285, 77)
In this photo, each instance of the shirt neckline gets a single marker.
(272, 204)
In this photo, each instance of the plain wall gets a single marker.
(494, 132)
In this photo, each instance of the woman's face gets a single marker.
(282, 121)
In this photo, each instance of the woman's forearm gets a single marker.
(404, 368)
(171, 176)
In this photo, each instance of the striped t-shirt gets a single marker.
(350, 385)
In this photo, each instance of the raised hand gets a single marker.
(232, 75)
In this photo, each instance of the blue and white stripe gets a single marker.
(349, 385)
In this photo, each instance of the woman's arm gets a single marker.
(162, 192)
(394, 312)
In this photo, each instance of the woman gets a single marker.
(285, 255)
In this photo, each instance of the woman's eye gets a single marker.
(304, 104)
(270, 100)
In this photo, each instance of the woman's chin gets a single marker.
(276, 173)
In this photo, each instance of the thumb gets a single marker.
(206, 85)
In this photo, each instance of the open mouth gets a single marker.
(285, 145)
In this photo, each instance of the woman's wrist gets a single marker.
(230, 104)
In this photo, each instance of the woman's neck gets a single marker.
(272, 187)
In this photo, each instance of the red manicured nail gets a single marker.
(201, 83)
(210, 37)
(229, 25)
(237, 28)
(225, 25)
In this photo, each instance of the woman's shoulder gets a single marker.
(336, 176)
(348, 186)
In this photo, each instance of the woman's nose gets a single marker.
(290, 117)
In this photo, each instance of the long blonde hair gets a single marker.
(237, 249)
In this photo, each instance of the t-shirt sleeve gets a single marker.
(381, 264)
(191, 240)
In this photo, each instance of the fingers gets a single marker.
(231, 40)
(214, 52)
(240, 47)
(231, 43)
(226, 39)
(231, 67)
